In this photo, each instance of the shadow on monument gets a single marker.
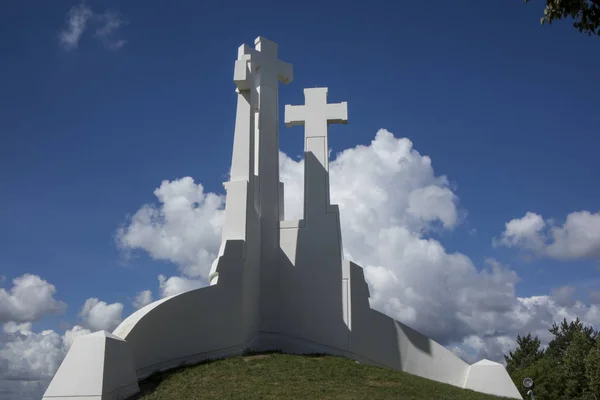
(325, 299)
(322, 307)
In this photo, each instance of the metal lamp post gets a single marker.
(528, 383)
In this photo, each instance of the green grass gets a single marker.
(282, 376)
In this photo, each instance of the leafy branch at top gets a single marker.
(585, 13)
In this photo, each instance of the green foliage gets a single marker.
(585, 13)
(563, 335)
(546, 377)
(574, 364)
(592, 370)
(527, 352)
(568, 369)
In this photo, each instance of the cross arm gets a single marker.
(285, 71)
(294, 115)
(337, 113)
(241, 73)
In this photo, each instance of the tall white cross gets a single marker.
(264, 59)
(316, 115)
(266, 71)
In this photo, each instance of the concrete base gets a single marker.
(490, 377)
(162, 336)
(99, 366)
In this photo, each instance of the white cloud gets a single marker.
(176, 284)
(577, 238)
(390, 202)
(81, 16)
(28, 300)
(13, 327)
(563, 296)
(142, 299)
(403, 190)
(72, 334)
(433, 203)
(108, 32)
(77, 19)
(98, 315)
(184, 229)
(398, 178)
(532, 315)
(524, 232)
(29, 360)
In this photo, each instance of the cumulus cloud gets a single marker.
(578, 238)
(391, 204)
(142, 299)
(563, 296)
(13, 327)
(98, 315)
(524, 232)
(72, 334)
(402, 187)
(177, 284)
(29, 360)
(29, 299)
(81, 16)
(530, 315)
(185, 228)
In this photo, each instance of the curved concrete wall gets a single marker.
(315, 317)
(191, 326)
(326, 300)
(391, 343)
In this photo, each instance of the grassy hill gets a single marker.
(282, 376)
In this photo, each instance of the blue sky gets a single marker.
(506, 109)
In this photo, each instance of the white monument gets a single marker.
(276, 284)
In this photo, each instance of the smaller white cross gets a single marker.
(315, 115)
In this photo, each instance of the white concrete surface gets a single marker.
(276, 284)
(98, 366)
(489, 376)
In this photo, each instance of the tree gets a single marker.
(586, 14)
(574, 364)
(547, 376)
(592, 369)
(527, 352)
(563, 335)
(568, 369)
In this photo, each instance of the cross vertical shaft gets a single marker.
(269, 71)
(315, 116)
